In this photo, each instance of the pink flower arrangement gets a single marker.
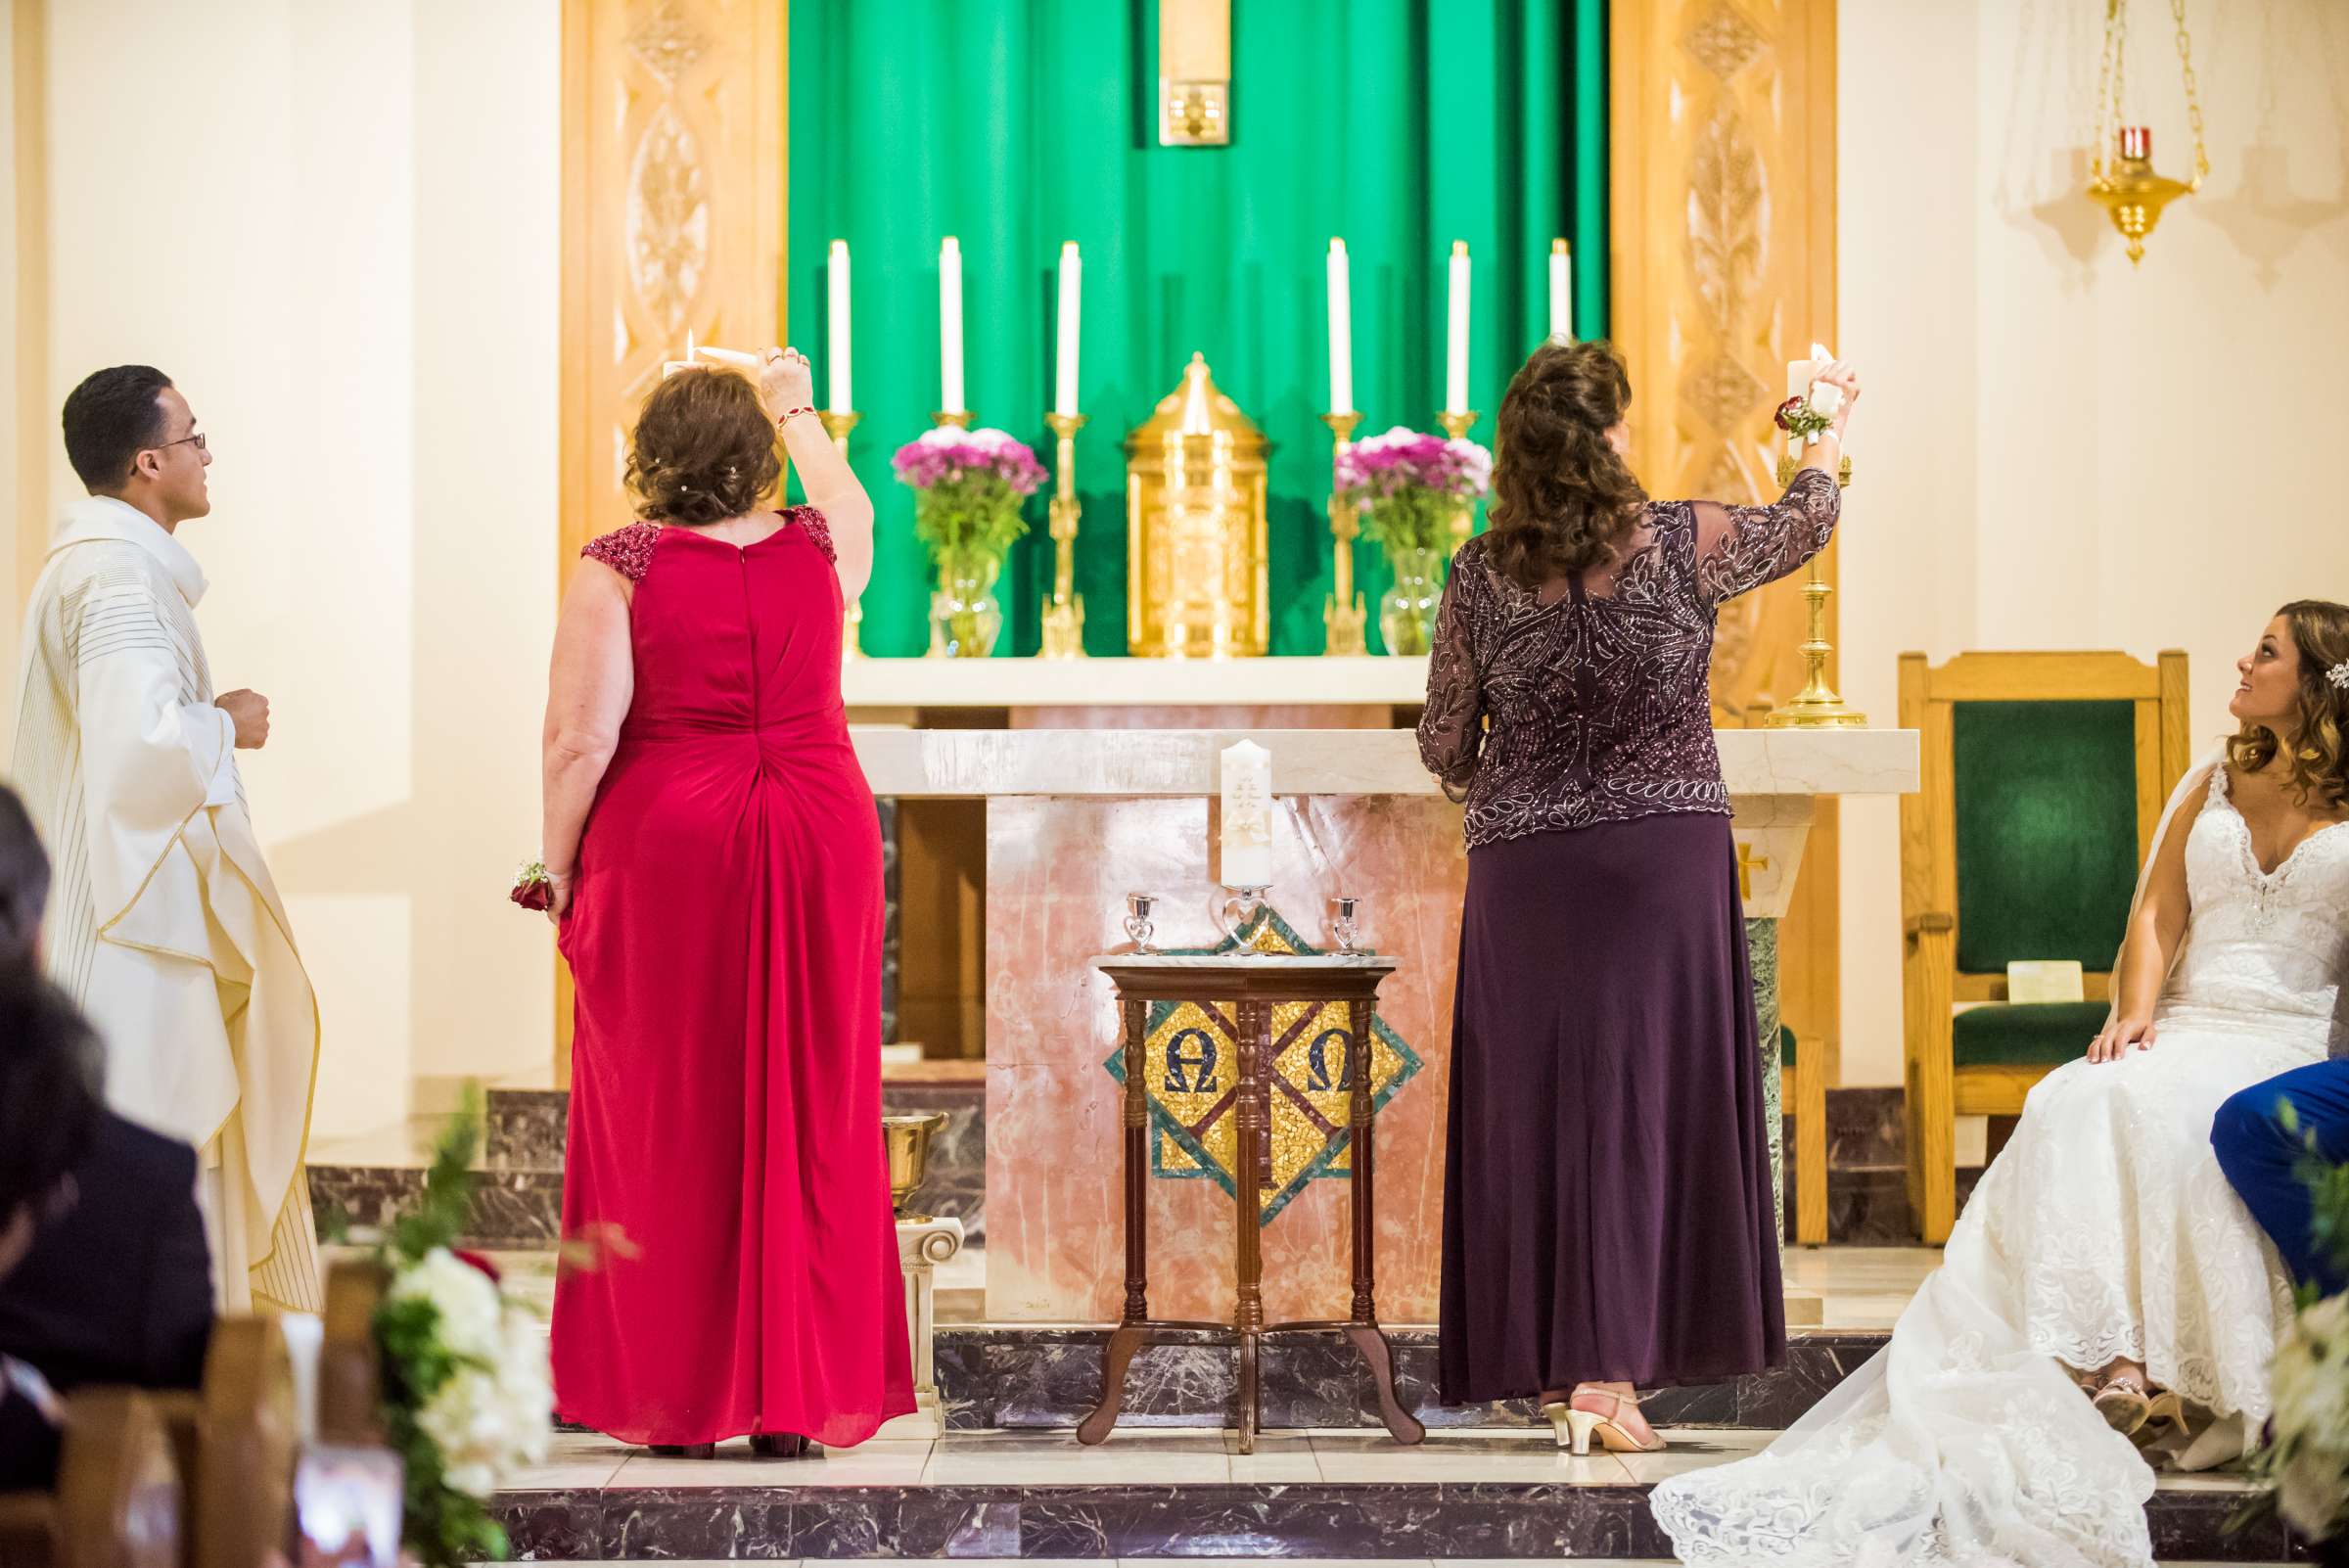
(1379, 466)
(946, 456)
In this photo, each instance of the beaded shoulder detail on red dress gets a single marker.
(810, 522)
(627, 550)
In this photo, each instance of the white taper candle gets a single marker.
(1072, 292)
(1341, 332)
(949, 324)
(1456, 338)
(1561, 292)
(836, 348)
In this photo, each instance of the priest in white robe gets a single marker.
(166, 925)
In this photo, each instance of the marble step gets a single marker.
(1178, 1495)
(1013, 1377)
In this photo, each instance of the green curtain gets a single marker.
(1015, 124)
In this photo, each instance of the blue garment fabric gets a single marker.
(2262, 1159)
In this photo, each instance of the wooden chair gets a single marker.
(119, 1502)
(2045, 774)
(1802, 1092)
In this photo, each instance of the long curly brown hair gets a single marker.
(1562, 498)
(703, 449)
(2318, 765)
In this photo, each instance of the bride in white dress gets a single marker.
(2103, 1246)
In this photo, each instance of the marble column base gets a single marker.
(923, 1243)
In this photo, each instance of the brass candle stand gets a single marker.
(1816, 706)
(1344, 616)
(1456, 427)
(838, 422)
(1064, 611)
(959, 418)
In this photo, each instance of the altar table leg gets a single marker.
(1255, 1020)
(1129, 1335)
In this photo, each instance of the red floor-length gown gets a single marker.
(725, 1100)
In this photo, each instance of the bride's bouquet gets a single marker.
(2307, 1456)
(466, 1399)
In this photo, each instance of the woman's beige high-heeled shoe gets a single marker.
(1575, 1427)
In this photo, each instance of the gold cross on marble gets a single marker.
(1748, 863)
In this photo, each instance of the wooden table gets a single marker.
(1253, 984)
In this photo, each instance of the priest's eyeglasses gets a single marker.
(198, 439)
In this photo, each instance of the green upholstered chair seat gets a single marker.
(2026, 1034)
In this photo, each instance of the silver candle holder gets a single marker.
(1138, 928)
(1241, 908)
(1344, 925)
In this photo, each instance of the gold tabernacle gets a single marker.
(1196, 547)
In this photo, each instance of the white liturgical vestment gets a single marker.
(164, 923)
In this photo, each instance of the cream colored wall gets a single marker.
(11, 411)
(2059, 450)
(335, 227)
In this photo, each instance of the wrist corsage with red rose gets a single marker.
(534, 889)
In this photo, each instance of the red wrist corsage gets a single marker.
(535, 890)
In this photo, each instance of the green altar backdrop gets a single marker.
(1014, 124)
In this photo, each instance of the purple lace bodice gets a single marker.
(1588, 702)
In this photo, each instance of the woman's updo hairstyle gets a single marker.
(703, 450)
(2319, 765)
(1562, 498)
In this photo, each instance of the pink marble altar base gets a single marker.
(1058, 871)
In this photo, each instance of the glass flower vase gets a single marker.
(1406, 614)
(965, 617)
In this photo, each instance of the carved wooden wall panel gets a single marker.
(674, 122)
(1723, 132)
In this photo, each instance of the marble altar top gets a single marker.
(1132, 682)
(920, 763)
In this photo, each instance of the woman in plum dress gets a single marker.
(715, 862)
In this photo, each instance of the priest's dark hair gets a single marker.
(1562, 498)
(24, 881)
(50, 1097)
(704, 449)
(110, 418)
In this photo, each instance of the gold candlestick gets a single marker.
(1064, 610)
(959, 418)
(1344, 616)
(1816, 706)
(838, 422)
(1456, 427)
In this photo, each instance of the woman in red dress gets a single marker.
(716, 870)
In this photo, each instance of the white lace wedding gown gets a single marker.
(2104, 1230)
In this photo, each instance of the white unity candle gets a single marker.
(1247, 816)
(1072, 292)
(949, 324)
(835, 346)
(1561, 292)
(1456, 338)
(1341, 332)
